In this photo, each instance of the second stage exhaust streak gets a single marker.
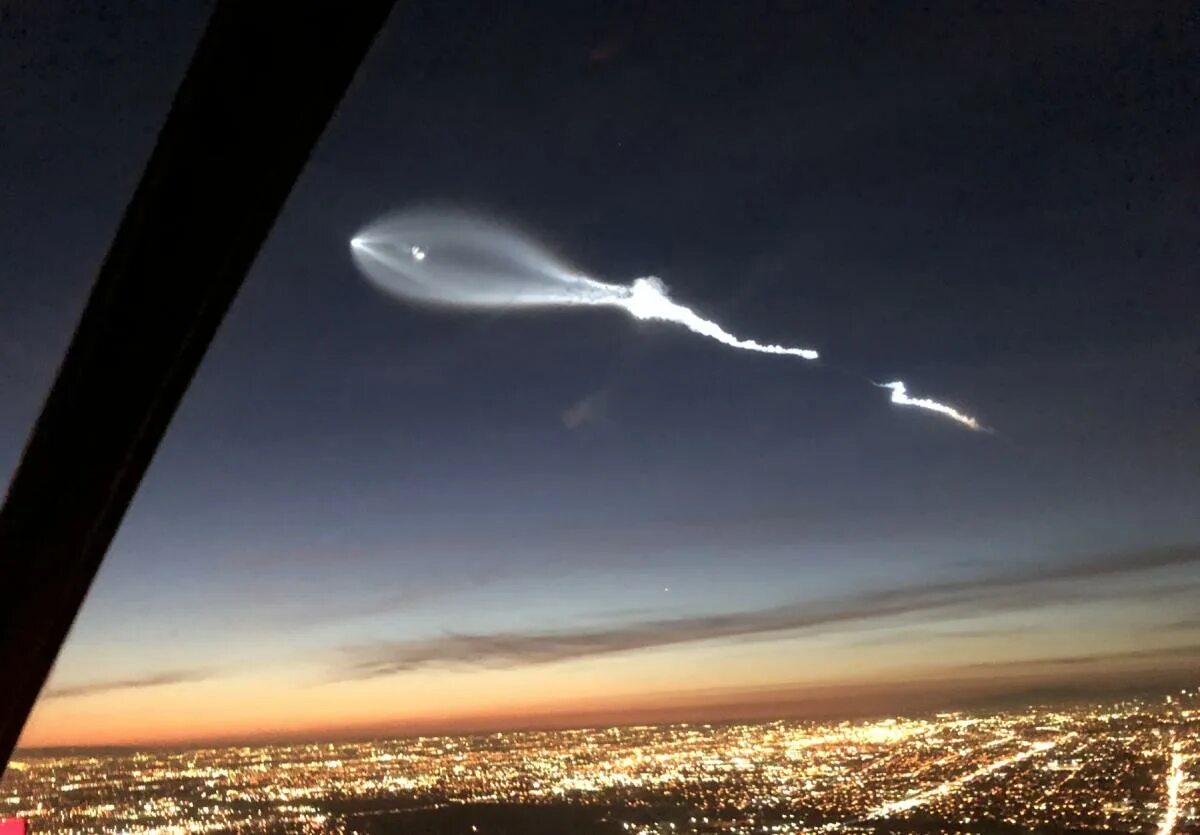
(461, 261)
(900, 397)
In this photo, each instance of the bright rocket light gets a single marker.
(648, 300)
(456, 260)
(900, 396)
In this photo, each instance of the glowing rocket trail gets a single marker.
(461, 261)
(900, 397)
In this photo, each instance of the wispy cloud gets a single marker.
(91, 688)
(1184, 624)
(517, 648)
(1027, 588)
(588, 409)
(925, 634)
(1155, 654)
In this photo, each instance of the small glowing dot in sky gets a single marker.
(417, 253)
(358, 243)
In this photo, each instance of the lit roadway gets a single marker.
(951, 785)
(1175, 777)
(921, 798)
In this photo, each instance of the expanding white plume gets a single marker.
(462, 261)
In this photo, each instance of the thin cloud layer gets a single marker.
(155, 680)
(1154, 654)
(1014, 591)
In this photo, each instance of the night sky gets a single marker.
(370, 517)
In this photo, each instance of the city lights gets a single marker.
(1131, 766)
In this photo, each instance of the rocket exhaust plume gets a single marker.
(455, 260)
(466, 262)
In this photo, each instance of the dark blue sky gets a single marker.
(998, 208)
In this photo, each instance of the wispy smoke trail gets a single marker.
(461, 261)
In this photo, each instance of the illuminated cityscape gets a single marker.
(1131, 766)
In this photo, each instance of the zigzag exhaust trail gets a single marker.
(457, 260)
(900, 397)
